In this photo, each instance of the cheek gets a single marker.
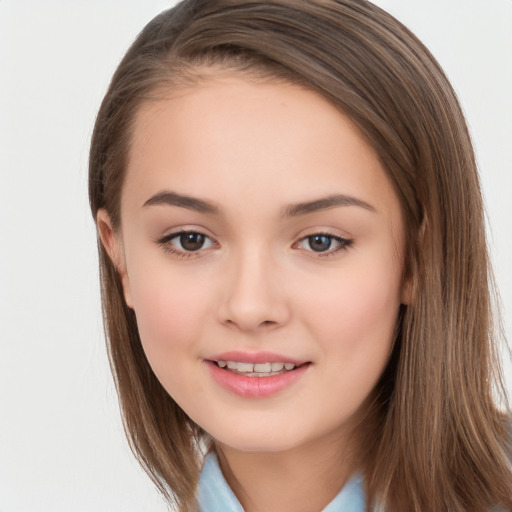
(354, 327)
(171, 318)
(171, 312)
(355, 313)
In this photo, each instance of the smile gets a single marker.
(256, 380)
(256, 369)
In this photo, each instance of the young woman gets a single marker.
(294, 272)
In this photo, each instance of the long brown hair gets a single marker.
(439, 438)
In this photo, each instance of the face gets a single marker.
(261, 248)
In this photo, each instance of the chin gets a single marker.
(257, 445)
(245, 439)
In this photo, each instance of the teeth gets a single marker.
(258, 368)
(263, 368)
(245, 367)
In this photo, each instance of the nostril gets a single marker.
(265, 324)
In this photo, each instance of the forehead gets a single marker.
(231, 136)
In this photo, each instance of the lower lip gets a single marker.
(255, 387)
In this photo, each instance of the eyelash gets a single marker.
(344, 244)
(165, 243)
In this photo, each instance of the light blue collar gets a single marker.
(215, 495)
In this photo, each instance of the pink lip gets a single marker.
(255, 357)
(255, 387)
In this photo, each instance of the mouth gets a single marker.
(267, 369)
(256, 374)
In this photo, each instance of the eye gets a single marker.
(323, 243)
(190, 241)
(184, 243)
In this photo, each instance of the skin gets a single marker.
(252, 149)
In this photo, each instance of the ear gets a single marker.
(406, 293)
(113, 245)
(410, 281)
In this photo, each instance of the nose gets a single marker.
(253, 295)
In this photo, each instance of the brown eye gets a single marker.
(186, 243)
(192, 241)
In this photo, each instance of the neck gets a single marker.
(300, 479)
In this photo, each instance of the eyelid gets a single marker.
(343, 244)
(165, 242)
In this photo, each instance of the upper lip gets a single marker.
(255, 357)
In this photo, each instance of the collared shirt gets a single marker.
(215, 495)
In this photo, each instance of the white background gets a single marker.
(61, 443)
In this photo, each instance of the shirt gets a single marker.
(215, 495)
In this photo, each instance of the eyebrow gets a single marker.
(294, 210)
(324, 203)
(183, 201)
